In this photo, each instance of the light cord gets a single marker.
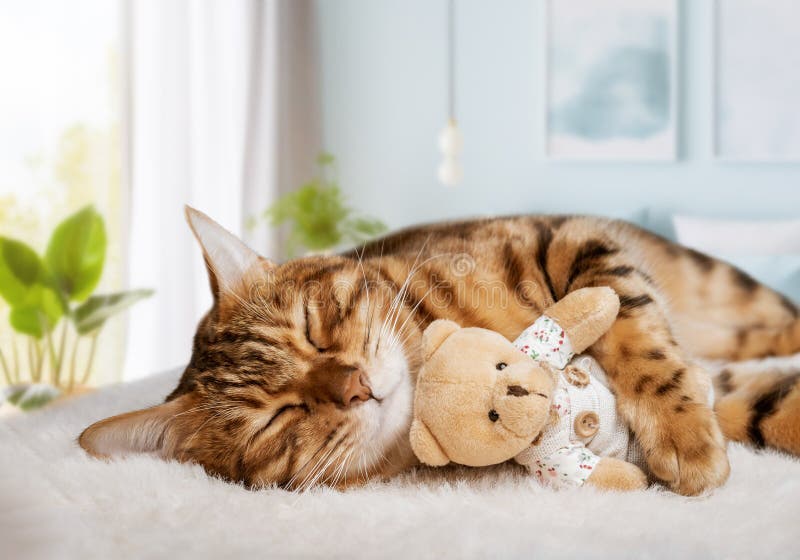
(451, 60)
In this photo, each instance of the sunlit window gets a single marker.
(60, 151)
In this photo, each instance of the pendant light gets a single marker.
(450, 142)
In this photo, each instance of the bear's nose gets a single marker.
(517, 391)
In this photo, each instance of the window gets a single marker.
(60, 150)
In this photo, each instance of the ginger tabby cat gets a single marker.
(302, 373)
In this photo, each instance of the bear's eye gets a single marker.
(501, 366)
(493, 416)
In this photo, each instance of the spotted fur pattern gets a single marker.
(260, 401)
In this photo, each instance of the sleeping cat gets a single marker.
(302, 373)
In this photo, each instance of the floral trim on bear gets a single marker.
(569, 467)
(546, 341)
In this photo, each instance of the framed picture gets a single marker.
(757, 80)
(610, 78)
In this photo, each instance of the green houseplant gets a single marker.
(54, 310)
(318, 216)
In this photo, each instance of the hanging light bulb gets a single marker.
(451, 143)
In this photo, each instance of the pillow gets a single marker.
(659, 221)
(738, 237)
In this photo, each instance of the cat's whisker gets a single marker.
(247, 304)
(414, 309)
(341, 472)
(399, 337)
(349, 448)
(400, 298)
(200, 427)
(361, 464)
(315, 472)
(360, 459)
(202, 407)
(308, 480)
(334, 477)
(371, 457)
(371, 317)
(299, 471)
(401, 292)
(369, 460)
(324, 469)
(348, 467)
(366, 288)
(324, 447)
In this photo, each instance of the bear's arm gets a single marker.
(617, 475)
(568, 466)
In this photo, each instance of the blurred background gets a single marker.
(308, 126)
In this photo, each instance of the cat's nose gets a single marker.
(356, 388)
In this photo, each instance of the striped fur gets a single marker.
(760, 408)
(282, 341)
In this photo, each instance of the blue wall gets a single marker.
(383, 80)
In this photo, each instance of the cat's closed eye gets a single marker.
(282, 410)
(309, 336)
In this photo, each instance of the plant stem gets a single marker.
(6, 371)
(91, 358)
(31, 361)
(40, 362)
(72, 362)
(51, 353)
(16, 357)
(60, 356)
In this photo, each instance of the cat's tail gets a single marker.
(760, 406)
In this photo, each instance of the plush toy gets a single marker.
(482, 400)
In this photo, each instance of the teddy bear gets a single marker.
(481, 400)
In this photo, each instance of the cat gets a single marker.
(302, 373)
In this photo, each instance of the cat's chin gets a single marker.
(385, 420)
(385, 446)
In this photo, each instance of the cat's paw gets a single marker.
(687, 452)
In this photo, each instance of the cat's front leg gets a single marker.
(660, 393)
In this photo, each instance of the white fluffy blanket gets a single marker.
(56, 502)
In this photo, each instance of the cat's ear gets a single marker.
(150, 430)
(229, 261)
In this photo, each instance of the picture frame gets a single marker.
(591, 79)
(755, 116)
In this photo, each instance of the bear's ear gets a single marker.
(425, 446)
(436, 333)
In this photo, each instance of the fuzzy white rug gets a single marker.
(56, 502)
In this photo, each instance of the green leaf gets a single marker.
(318, 215)
(91, 314)
(366, 227)
(325, 158)
(76, 253)
(38, 313)
(20, 269)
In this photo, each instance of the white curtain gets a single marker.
(223, 115)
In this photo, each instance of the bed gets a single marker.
(56, 502)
